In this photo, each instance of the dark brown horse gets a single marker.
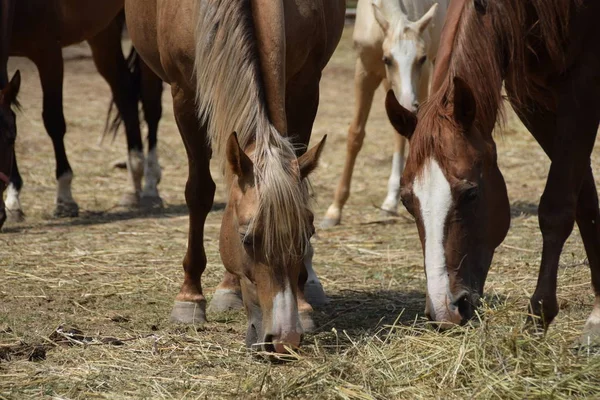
(547, 54)
(8, 99)
(41, 29)
(251, 67)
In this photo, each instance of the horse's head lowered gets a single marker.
(8, 135)
(266, 250)
(405, 51)
(454, 190)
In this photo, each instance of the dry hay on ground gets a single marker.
(84, 303)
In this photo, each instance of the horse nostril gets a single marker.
(268, 344)
(415, 106)
(465, 308)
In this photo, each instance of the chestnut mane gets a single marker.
(485, 43)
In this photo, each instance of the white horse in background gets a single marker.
(396, 42)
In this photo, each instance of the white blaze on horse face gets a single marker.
(405, 82)
(285, 321)
(435, 198)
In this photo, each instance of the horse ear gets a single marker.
(11, 91)
(238, 161)
(308, 161)
(404, 121)
(379, 17)
(426, 19)
(464, 104)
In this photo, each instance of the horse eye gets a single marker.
(247, 239)
(407, 203)
(422, 60)
(470, 194)
(387, 60)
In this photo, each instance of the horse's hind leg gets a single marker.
(588, 218)
(110, 62)
(570, 194)
(190, 304)
(365, 83)
(151, 95)
(14, 211)
(49, 62)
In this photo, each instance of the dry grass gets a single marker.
(113, 275)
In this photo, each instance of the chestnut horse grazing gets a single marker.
(251, 67)
(41, 28)
(547, 54)
(8, 99)
(396, 42)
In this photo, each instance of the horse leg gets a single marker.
(365, 84)
(542, 125)
(390, 204)
(569, 195)
(151, 96)
(49, 62)
(190, 304)
(14, 211)
(228, 295)
(111, 64)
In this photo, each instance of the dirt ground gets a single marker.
(85, 302)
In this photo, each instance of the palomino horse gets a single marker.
(8, 98)
(547, 54)
(251, 67)
(40, 30)
(393, 49)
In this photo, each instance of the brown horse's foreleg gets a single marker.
(49, 62)
(365, 84)
(151, 95)
(14, 211)
(190, 304)
(110, 62)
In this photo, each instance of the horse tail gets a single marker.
(240, 89)
(114, 119)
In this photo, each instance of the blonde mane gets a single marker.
(230, 98)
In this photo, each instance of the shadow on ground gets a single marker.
(89, 217)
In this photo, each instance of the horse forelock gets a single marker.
(230, 98)
(484, 50)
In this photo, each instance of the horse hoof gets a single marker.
(151, 201)
(308, 325)
(225, 300)
(66, 210)
(188, 312)
(591, 333)
(330, 222)
(130, 200)
(15, 215)
(314, 294)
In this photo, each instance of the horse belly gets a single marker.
(81, 20)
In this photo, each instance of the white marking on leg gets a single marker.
(12, 203)
(135, 167)
(153, 173)
(391, 200)
(433, 191)
(63, 189)
(312, 276)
